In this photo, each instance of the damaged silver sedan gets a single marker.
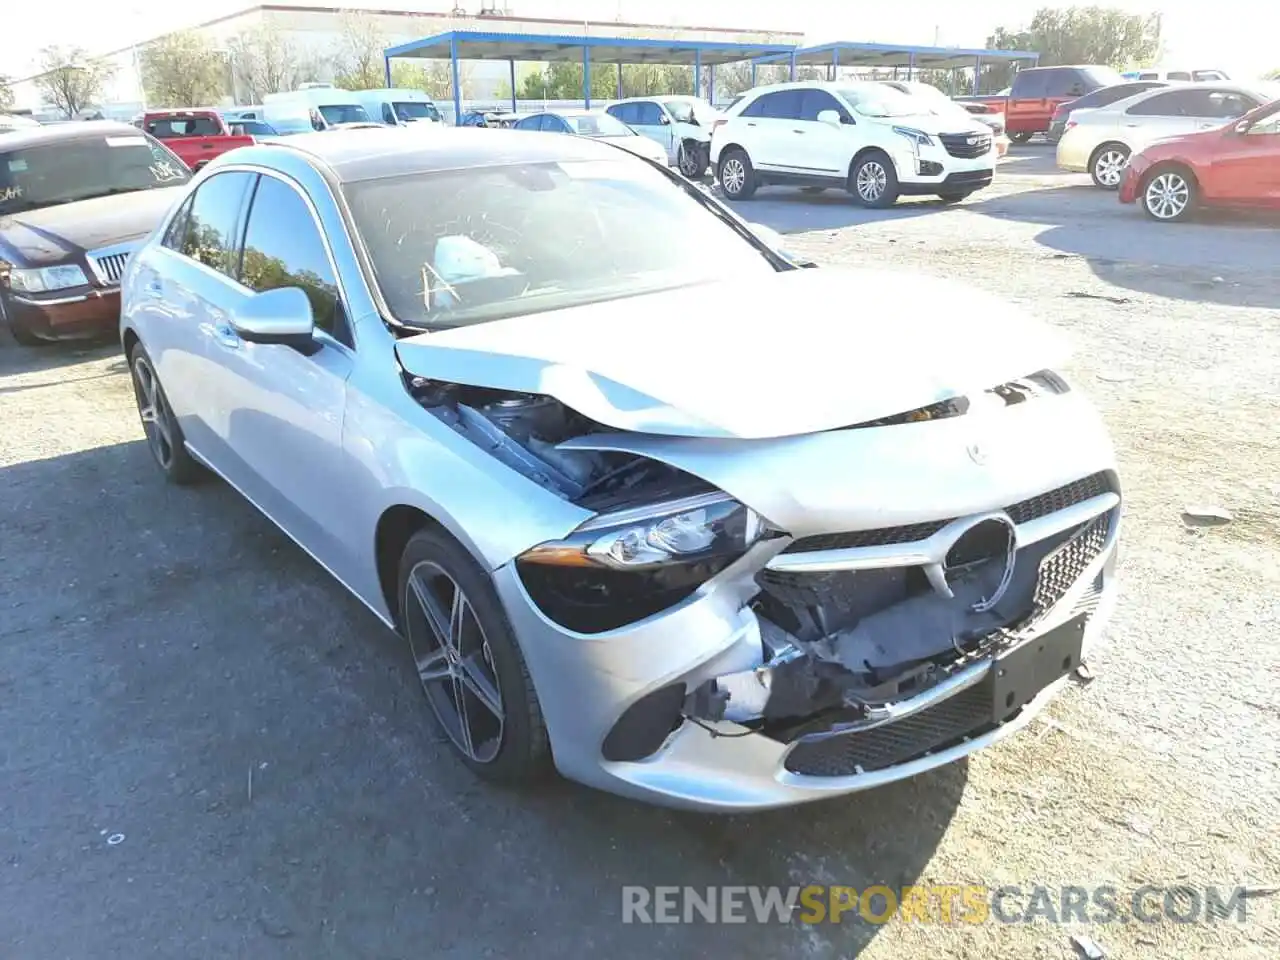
(651, 500)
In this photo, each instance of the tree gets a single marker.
(6, 93)
(264, 60)
(69, 80)
(359, 55)
(1101, 35)
(562, 80)
(183, 70)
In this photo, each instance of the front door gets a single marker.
(653, 122)
(281, 409)
(1246, 167)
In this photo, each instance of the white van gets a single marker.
(398, 107)
(311, 108)
(1176, 76)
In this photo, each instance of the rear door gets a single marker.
(188, 289)
(1028, 101)
(1163, 115)
(772, 122)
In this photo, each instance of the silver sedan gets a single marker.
(650, 501)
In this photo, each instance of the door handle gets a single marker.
(749, 124)
(797, 131)
(225, 335)
(1131, 125)
(153, 289)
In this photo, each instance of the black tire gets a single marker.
(1107, 164)
(812, 190)
(1163, 189)
(691, 159)
(521, 748)
(954, 197)
(873, 181)
(741, 183)
(164, 436)
(1022, 136)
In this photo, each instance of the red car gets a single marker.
(196, 136)
(1233, 166)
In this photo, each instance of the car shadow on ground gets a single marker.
(17, 359)
(1220, 257)
(208, 741)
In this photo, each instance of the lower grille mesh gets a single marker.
(840, 756)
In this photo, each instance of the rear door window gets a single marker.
(1030, 85)
(1179, 75)
(211, 235)
(1066, 83)
(1175, 103)
(783, 105)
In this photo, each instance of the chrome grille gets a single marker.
(111, 267)
(1032, 508)
(966, 145)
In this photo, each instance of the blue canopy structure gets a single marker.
(474, 45)
(850, 54)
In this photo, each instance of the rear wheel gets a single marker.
(164, 436)
(1107, 164)
(1168, 195)
(737, 178)
(1022, 136)
(873, 181)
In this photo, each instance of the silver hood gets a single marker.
(782, 355)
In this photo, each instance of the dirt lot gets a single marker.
(208, 749)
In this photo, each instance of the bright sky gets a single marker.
(1238, 36)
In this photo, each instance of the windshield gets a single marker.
(255, 128)
(1101, 76)
(877, 100)
(599, 125)
(518, 239)
(335, 113)
(48, 174)
(698, 111)
(415, 110)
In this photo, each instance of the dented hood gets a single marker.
(786, 354)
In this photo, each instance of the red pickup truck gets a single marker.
(1037, 92)
(196, 136)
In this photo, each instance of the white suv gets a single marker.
(866, 137)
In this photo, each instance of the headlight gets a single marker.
(681, 531)
(619, 568)
(45, 279)
(918, 138)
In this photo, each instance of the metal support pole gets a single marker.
(977, 73)
(711, 85)
(791, 75)
(620, 93)
(753, 73)
(457, 86)
(586, 77)
(911, 66)
(697, 73)
(386, 69)
(835, 63)
(512, 63)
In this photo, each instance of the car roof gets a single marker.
(355, 155)
(567, 112)
(19, 137)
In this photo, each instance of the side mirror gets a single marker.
(282, 316)
(665, 120)
(829, 117)
(1242, 127)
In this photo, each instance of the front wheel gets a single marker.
(1022, 136)
(1107, 165)
(691, 160)
(472, 672)
(873, 181)
(737, 178)
(21, 334)
(1168, 195)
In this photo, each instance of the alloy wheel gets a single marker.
(153, 409)
(732, 176)
(1167, 196)
(454, 661)
(1109, 167)
(687, 160)
(871, 181)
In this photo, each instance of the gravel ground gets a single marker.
(208, 749)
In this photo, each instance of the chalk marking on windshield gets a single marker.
(126, 141)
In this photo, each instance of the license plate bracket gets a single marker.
(1017, 675)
